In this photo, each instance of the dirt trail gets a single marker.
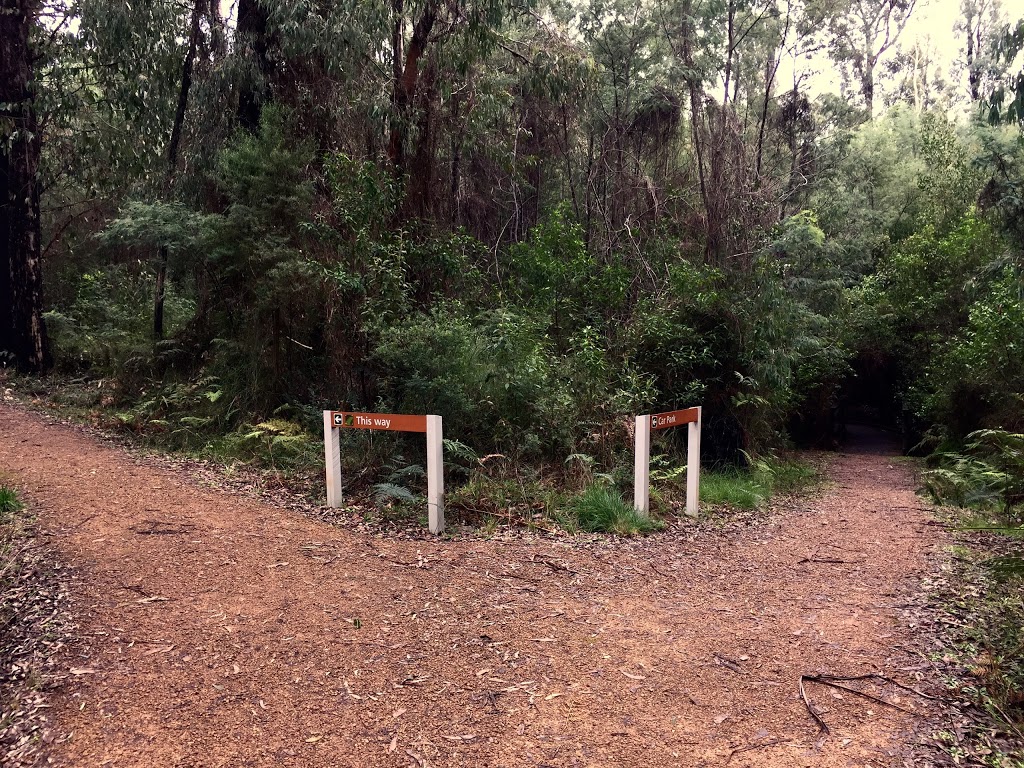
(221, 631)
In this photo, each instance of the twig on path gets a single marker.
(826, 560)
(757, 745)
(725, 661)
(822, 725)
(655, 568)
(833, 681)
(827, 680)
(554, 566)
(400, 563)
(884, 678)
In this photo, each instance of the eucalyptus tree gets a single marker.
(979, 24)
(22, 332)
(859, 33)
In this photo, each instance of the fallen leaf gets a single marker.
(632, 677)
(551, 696)
(313, 739)
(82, 671)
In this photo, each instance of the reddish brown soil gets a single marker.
(220, 631)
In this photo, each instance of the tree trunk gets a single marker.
(712, 245)
(252, 36)
(22, 330)
(406, 80)
(172, 159)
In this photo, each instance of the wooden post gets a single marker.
(332, 460)
(642, 464)
(435, 474)
(693, 466)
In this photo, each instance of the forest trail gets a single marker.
(217, 630)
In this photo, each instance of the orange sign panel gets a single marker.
(674, 418)
(392, 422)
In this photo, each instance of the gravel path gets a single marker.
(220, 631)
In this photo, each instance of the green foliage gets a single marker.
(988, 475)
(987, 634)
(9, 503)
(600, 508)
(751, 488)
(108, 324)
(732, 488)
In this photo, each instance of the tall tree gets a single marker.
(252, 39)
(861, 32)
(172, 156)
(22, 330)
(978, 23)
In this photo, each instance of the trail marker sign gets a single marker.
(642, 458)
(335, 421)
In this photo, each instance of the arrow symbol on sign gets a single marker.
(338, 419)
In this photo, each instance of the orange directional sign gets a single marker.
(392, 422)
(674, 418)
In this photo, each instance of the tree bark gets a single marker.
(22, 330)
(172, 158)
(406, 80)
(252, 34)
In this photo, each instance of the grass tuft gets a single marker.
(9, 503)
(601, 509)
(750, 488)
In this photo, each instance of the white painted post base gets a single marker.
(332, 461)
(693, 465)
(435, 475)
(642, 465)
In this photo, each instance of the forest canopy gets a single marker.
(535, 218)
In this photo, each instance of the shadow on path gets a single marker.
(867, 439)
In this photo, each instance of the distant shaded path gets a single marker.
(221, 631)
(865, 439)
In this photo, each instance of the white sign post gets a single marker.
(335, 421)
(435, 475)
(642, 457)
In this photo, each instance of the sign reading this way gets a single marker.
(335, 421)
(392, 422)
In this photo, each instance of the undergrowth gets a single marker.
(752, 487)
(986, 481)
(983, 638)
(601, 509)
(33, 627)
(383, 472)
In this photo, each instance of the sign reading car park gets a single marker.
(642, 456)
(335, 421)
(675, 418)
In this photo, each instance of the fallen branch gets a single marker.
(883, 678)
(833, 681)
(554, 566)
(757, 745)
(826, 680)
(822, 725)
